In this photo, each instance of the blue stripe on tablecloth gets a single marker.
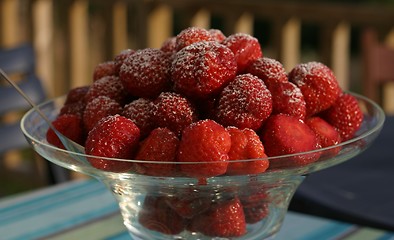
(36, 205)
(87, 201)
(120, 236)
(387, 236)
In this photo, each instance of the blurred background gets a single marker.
(70, 37)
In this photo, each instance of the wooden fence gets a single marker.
(72, 36)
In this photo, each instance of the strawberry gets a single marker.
(255, 205)
(192, 35)
(76, 94)
(326, 134)
(141, 112)
(267, 69)
(202, 69)
(173, 111)
(283, 134)
(161, 145)
(113, 137)
(98, 108)
(169, 45)
(287, 98)
(109, 86)
(244, 103)
(245, 47)
(205, 145)
(74, 108)
(345, 115)
(188, 205)
(146, 73)
(217, 35)
(246, 144)
(70, 125)
(224, 219)
(156, 215)
(318, 85)
(121, 57)
(104, 69)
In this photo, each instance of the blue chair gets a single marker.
(19, 63)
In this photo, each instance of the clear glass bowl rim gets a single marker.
(380, 117)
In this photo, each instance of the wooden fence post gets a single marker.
(341, 54)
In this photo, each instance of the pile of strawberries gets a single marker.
(206, 100)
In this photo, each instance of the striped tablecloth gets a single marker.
(86, 210)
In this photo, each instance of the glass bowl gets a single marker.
(180, 207)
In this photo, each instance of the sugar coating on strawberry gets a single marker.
(202, 69)
(76, 108)
(192, 35)
(326, 134)
(113, 137)
(287, 98)
(173, 111)
(109, 86)
(244, 103)
(169, 45)
(270, 70)
(246, 144)
(70, 125)
(205, 145)
(99, 108)
(217, 35)
(104, 69)
(161, 146)
(223, 219)
(121, 57)
(283, 134)
(146, 73)
(156, 215)
(318, 84)
(76, 94)
(141, 111)
(245, 47)
(345, 115)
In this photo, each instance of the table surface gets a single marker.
(85, 209)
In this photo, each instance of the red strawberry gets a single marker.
(245, 103)
(267, 69)
(255, 205)
(141, 112)
(283, 134)
(161, 145)
(74, 108)
(318, 85)
(104, 69)
(70, 125)
(288, 99)
(173, 111)
(200, 70)
(192, 35)
(121, 57)
(156, 215)
(187, 205)
(76, 94)
(109, 86)
(146, 73)
(98, 108)
(326, 134)
(224, 219)
(205, 145)
(217, 35)
(246, 144)
(169, 45)
(112, 137)
(245, 47)
(345, 115)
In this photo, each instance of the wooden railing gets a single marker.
(72, 36)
